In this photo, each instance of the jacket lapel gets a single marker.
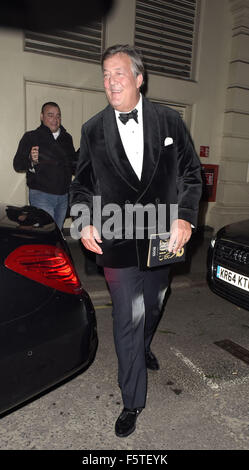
(152, 144)
(115, 149)
(116, 152)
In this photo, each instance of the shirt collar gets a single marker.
(138, 107)
(57, 133)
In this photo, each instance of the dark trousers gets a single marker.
(137, 298)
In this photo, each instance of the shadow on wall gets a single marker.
(44, 14)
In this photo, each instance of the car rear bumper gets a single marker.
(42, 355)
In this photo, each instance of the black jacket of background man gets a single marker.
(53, 173)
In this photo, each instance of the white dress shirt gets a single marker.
(132, 138)
(56, 134)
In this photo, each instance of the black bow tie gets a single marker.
(124, 117)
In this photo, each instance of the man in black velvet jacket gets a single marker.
(143, 158)
(48, 156)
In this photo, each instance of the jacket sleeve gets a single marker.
(72, 154)
(189, 180)
(83, 187)
(22, 160)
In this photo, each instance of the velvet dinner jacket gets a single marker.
(170, 175)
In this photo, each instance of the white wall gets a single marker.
(28, 79)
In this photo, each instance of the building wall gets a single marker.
(232, 202)
(28, 79)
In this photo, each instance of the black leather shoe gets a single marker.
(126, 422)
(151, 361)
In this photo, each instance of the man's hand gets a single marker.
(180, 234)
(90, 237)
(34, 154)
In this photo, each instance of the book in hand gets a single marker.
(159, 255)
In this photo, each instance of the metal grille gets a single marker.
(233, 254)
(81, 43)
(165, 33)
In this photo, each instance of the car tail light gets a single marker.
(46, 264)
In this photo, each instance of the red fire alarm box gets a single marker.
(210, 177)
(204, 151)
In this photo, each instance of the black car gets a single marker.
(47, 320)
(228, 263)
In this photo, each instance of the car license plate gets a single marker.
(236, 279)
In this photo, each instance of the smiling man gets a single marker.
(47, 155)
(121, 84)
(134, 152)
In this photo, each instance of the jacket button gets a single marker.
(157, 200)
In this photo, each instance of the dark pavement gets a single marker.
(198, 400)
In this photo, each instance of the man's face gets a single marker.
(121, 86)
(51, 117)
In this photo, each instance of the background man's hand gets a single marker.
(34, 154)
(180, 234)
(90, 239)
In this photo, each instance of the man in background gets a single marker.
(48, 156)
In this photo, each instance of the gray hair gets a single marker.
(131, 51)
